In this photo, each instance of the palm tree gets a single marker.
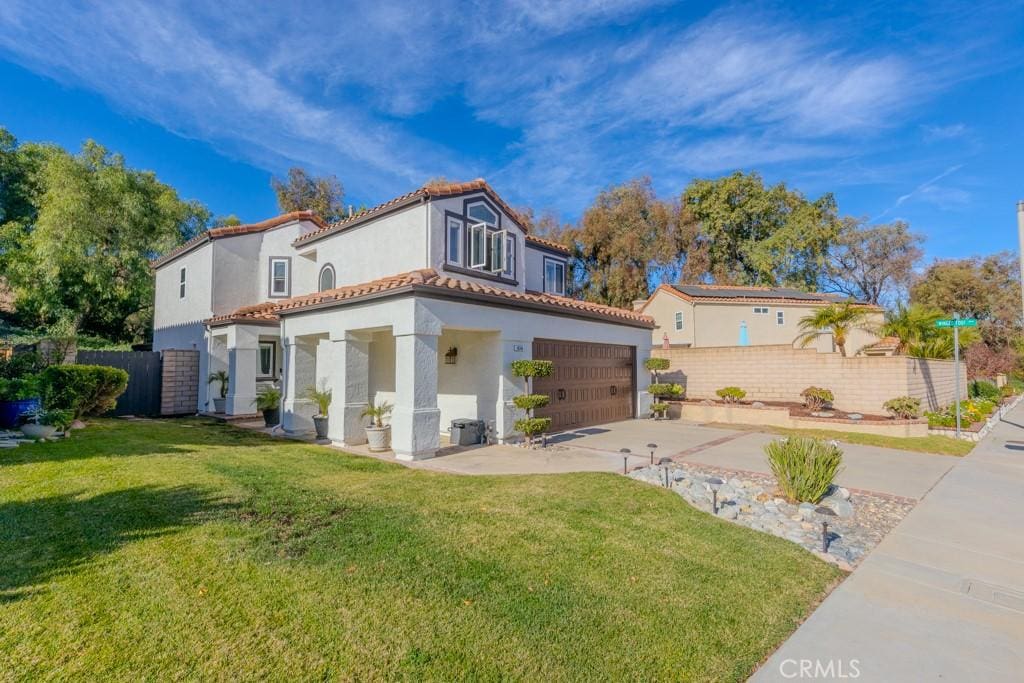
(912, 325)
(835, 319)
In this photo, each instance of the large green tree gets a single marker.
(300, 191)
(984, 288)
(623, 243)
(746, 233)
(79, 253)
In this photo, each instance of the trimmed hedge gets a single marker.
(85, 390)
(531, 401)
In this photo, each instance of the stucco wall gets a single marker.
(535, 267)
(171, 311)
(235, 273)
(393, 244)
(780, 373)
(278, 243)
(713, 324)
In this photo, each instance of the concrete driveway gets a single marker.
(596, 449)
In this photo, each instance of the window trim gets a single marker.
(452, 221)
(320, 277)
(287, 260)
(181, 282)
(273, 359)
(780, 317)
(679, 321)
(558, 263)
(462, 267)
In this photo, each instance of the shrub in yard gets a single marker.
(980, 388)
(659, 409)
(21, 365)
(804, 467)
(904, 407)
(731, 394)
(664, 390)
(83, 389)
(656, 365)
(528, 369)
(19, 388)
(940, 419)
(816, 398)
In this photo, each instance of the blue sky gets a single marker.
(909, 111)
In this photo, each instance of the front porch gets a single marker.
(250, 354)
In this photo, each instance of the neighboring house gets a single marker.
(423, 301)
(702, 316)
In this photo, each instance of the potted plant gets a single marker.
(268, 402)
(378, 434)
(18, 397)
(222, 377)
(322, 398)
(659, 410)
(43, 424)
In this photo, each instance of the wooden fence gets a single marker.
(142, 397)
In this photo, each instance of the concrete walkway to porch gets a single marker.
(942, 597)
(881, 470)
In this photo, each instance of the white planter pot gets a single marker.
(378, 438)
(37, 431)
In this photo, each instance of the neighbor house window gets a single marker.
(455, 241)
(267, 358)
(761, 310)
(279, 276)
(181, 284)
(327, 278)
(554, 277)
(780, 317)
(679, 320)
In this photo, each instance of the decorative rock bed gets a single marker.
(861, 519)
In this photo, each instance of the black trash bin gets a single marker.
(467, 432)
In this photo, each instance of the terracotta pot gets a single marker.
(378, 438)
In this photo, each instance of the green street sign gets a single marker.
(954, 322)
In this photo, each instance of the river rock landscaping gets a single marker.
(860, 521)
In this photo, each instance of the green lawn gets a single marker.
(182, 549)
(935, 444)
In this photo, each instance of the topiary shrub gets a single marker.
(659, 409)
(531, 426)
(669, 391)
(656, 365)
(903, 407)
(804, 467)
(83, 389)
(816, 398)
(731, 394)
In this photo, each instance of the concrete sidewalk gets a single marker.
(942, 597)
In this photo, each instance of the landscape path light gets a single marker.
(625, 459)
(825, 512)
(653, 447)
(714, 483)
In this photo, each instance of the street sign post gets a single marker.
(956, 322)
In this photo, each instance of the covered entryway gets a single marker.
(592, 383)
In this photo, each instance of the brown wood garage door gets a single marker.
(591, 384)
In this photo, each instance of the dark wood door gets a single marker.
(591, 383)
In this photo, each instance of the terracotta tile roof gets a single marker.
(550, 244)
(264, 313)
(425, 192)
(428, 280)
(755, 295)
(232, 230)
(884, 343)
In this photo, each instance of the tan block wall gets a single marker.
(781, 372)
(179, 391)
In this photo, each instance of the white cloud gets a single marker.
(950, 132)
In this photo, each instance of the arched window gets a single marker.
(327, 277)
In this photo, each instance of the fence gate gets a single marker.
(142, 397)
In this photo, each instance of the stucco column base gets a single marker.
(426, 429)
(353, 432)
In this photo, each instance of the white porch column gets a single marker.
(243, 366)
(510, 386)
(348, 377)
(299, 375)
(416, 421)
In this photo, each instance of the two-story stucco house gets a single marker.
(701, 316)
(423, 301)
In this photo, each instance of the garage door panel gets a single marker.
(596, 382)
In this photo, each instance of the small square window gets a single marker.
(181, 284)
(761, 310)
(679, 320)
(780, 317)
